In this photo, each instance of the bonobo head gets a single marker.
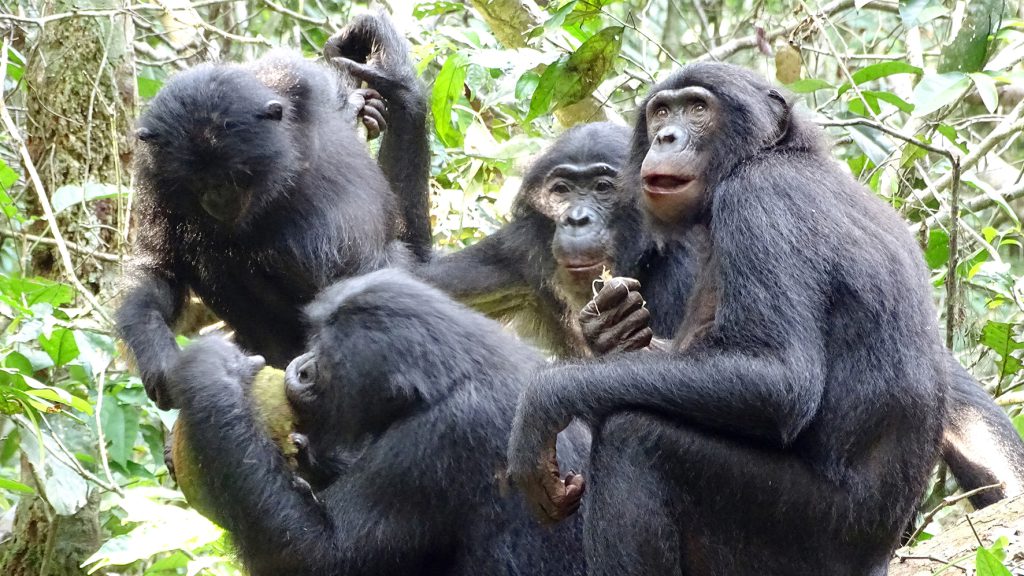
(385, 347)
(572, 189)
(215, 142)
(695, 128)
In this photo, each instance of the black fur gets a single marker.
(795, 434)
(406, 400)
(255, 192)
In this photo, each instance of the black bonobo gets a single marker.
(404, 404)
(538, 269)
(793, 427)
(255, 192)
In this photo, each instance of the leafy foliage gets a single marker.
(907, 91)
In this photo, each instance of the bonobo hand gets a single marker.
(211, 365)
(533, 461)
(616, 319)
(367, 105)
(370, 49)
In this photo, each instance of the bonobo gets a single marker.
(538, 269)
(255, 192)
(403, 404)
(792, 429)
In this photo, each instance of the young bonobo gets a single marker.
(792, 430)
(404, 405)
(538, 270)
(255, 192)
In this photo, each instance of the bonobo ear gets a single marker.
(272, 110)
(783, 123)
(145, 134)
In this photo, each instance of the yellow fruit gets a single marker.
(273, 414)
(787, 64)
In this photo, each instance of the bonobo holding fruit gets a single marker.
(255, 192)
(792, 430)
(538, 269)
(404, 405)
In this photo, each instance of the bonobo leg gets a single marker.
(670, 499)
(980, 444)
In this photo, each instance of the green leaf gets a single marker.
(71, 195)
(148, 87)
(13, 486)
(998, 336)
(937, 90)
(986, 87)
(7, 176)
(574, 77)
(889, 98)
(15, 65)
(987, 564)
(876, 71)
(60, 345)
(448, 88)
(969, 50)
(121, 428)
(1018, 423)
(808, 85)
(937, 252)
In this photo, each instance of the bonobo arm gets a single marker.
(153, 302)
(980, 444)
(371, 49)
(487, 275)
(277, 524)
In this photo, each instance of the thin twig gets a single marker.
(102, 256)
(945, 503)
(952, 278)
(883, 128)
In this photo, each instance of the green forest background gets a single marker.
(922, 99)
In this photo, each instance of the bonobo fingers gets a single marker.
(370, 108)
(616, 320)
(611, 294)
(551, 498)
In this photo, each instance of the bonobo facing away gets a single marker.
(792, 430)
(404, 405)
(539, 268)
(255, 192)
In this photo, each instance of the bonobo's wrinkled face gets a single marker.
(680, 124)
(576, 198)
(212, 142)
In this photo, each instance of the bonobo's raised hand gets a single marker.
(370, 49)
(533, 458)
(615, 320)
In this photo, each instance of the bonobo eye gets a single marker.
(307, 372)
(230, 125)
(272, 110)
(699, 108)
(145, 135)
(603, 186)
(661, 112)
(560, 188)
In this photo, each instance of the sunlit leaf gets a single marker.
(936, 254)
(918, 12)
(986, 87)
(60, 345)
(987, 564)
(808, 85)
(879, 70)
(937, 90)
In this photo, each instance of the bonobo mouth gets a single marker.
(588, 269)
(665, 184)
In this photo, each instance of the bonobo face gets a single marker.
(679, 127)
(576, 198)
(213, 143)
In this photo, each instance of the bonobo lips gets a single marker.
(665, 184)
(588, 269)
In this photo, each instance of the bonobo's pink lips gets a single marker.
(665, 184)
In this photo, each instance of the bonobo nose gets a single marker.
(579, 216)
(670, 139)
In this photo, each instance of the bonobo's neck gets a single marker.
(703, 302)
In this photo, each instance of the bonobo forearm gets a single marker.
(766, 398)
